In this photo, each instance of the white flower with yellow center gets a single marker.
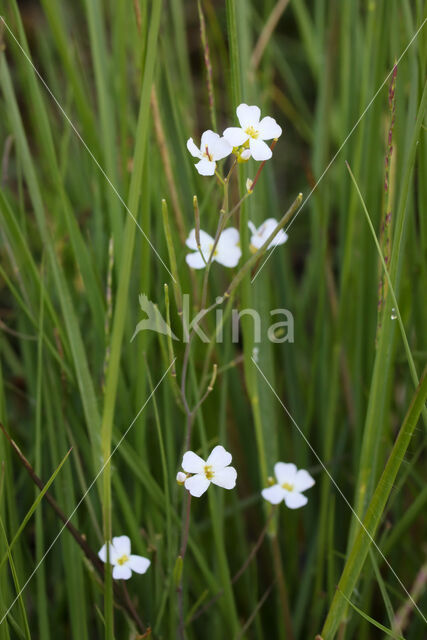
(215, 469)
(122, 560)
(260, 235)
(291, 482)
(212, 149)
(253, 131)
(227, 251)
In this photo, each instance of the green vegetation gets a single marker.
(97, 101)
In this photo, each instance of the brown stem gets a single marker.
(130, 607)
(137, 15)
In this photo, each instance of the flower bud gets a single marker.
(181, 477)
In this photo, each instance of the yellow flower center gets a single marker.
(123, 560)
(207, 154)
(210, 250)
(209, 472)
(253, 133)
(287, 486)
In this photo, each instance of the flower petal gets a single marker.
(229, 257)
(260, 150)
(294, 500)
(274, 494)
(303, 480)
(252, 227)
(261, 234)
(279, 239)
(228, 251)
(102, 553)
(205, 167)
(219, 458)
(229, 238)
(205, 239)
(225, 478)
(210, 140)
(285, 472)
(197, 485)
(195, 260)
(221, 149)
(267, 227)
(121, 545)
(248, 115)
(195, 152)
(235, 136)
(139, 564)
(121, 572)
(269, 129)
(192, 463)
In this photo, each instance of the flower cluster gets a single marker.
(245, 141)
(227, 250)
(199, 474)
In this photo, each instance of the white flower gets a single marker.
(121, 559)
(260, 235)
(212, 149)
(227, 251)
(253, 130)
(181, 477)
(216, 469)
(290, 485)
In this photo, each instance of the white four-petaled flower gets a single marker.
(215, 469)
(254, 131)
(212, 149)
(227, 251)
(260, 235)
(290, 485)
(122, 560)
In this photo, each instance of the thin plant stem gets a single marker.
(283, 592)
(184, 542)
(241, 571)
